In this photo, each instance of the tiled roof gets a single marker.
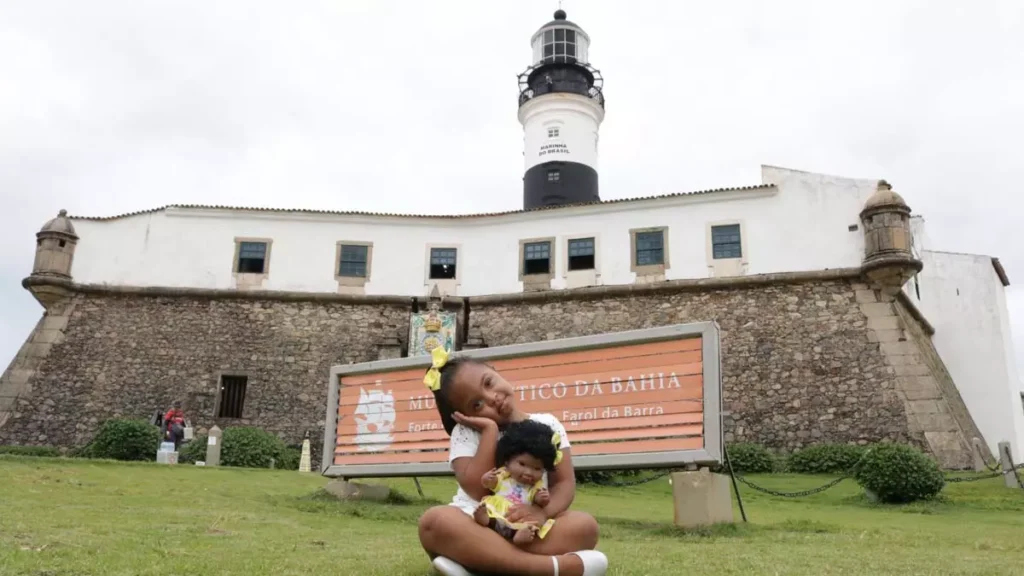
(396, 215)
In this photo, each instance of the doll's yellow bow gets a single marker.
(557, 441)
(433, 377)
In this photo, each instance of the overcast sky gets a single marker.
(112, 106)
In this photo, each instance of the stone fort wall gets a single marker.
(807, 358)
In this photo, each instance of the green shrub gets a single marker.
(250, 447)
(747, 457)
(245, 447)
(38, 451)
(192, 451)
(125, 439)
(289, 459)
(825, 459)
(897, 473)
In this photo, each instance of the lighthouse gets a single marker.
(561, 107)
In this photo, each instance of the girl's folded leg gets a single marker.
(450, 533)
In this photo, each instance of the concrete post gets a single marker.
(213, 447)
(1006, 464)
(701, 498)
(979, 459)
(304, 460)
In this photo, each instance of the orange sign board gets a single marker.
(641, 398)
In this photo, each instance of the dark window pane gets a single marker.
(570, 49)
(570, 35)
(549, 35)
(442, 256)
(549, 50)
(252, 250)
(560, 49)
(559, 35)
(649, 240)
(581, 247)
(725, 242)
(353, 253)
(355, 269)
(252, 257)
(650, 248)
(581, 262)
(232, 396)
(649, 257)
(442, 263)
(537, 250)
(542, 266)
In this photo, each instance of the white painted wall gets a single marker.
(963, 298)
(577, 120)
(801, 225)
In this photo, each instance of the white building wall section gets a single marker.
(963, 298)
(800, 225)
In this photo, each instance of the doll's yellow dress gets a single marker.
(509, 493)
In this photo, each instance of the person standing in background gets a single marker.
(174, 423)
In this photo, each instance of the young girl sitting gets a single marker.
(475, 404)
(525, 451)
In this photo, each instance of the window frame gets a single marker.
(739, 243)
(549, 37)
(458, 262)
(568, 253)
(352, 281)
(647, 269)
(542, 280)
(251, 279)
(219, 395)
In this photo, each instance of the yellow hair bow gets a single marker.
(557, 440)
(433, 377)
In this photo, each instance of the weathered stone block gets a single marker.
(355, 491)
(865, 296)
(884, 323)
(876, 310)
(920, 388)
(701, 499)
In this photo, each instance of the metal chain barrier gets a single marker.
(994, 474)
(799, 494)
(634, 482)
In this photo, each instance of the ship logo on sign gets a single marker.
(375, 420)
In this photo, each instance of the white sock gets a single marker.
(555, 560)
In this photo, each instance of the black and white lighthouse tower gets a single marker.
(561, 108)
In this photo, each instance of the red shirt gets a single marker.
(174, 416)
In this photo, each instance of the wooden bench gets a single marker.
(639, 399)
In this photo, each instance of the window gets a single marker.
(725, 242)
(581, 254)
(559, 45)
(554, 175)
(537, 258)
(553, 132)
(650, 248)
(252, 257)
(353, 261)
(442, 263)
(232, 396)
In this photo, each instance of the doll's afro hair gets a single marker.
(527, 437)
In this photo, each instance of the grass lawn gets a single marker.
(62, 517)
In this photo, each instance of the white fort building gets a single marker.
(826, 258)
